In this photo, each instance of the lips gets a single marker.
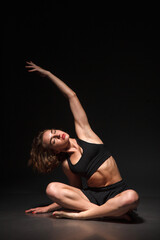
(63, 136)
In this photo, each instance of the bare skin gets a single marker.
(70, 196)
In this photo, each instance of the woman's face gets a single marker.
(56, 140)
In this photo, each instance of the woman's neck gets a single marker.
(73, 146)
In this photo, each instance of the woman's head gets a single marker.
(56, 140)
(48, 150)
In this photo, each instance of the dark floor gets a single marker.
(15, 224)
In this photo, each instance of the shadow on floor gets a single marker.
(135, 218)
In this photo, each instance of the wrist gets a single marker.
(53, 206)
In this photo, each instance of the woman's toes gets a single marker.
(57, 214)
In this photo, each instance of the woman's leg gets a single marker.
(68, 197)
(115, 207)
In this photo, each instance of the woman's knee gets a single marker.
(59, 191)
(53, 189)
(131, 198)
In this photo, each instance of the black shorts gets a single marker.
(101, 195)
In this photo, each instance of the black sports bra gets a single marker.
(92, 158)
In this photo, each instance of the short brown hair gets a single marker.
(44, 160)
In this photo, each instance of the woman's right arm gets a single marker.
(49, 208)
(74, 179)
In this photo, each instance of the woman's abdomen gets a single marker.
(107, 174)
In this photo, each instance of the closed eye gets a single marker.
(52, 142)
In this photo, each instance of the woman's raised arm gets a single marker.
(82, 126)
(68, 92)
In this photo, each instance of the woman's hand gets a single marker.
(34, 68)
(38, 210)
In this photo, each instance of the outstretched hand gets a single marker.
(38, 210)
(34, 68)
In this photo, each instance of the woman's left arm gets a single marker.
(82, 126)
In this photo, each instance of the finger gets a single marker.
(30, 210)
(29, 66)
(31, 63)
(34, 212)
(32, 70)
(37, 211)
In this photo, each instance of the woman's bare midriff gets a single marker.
(105, 175)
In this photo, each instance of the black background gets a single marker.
(113, 66)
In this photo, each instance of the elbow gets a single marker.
(72, 94)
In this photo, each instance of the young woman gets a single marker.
(107, 194)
